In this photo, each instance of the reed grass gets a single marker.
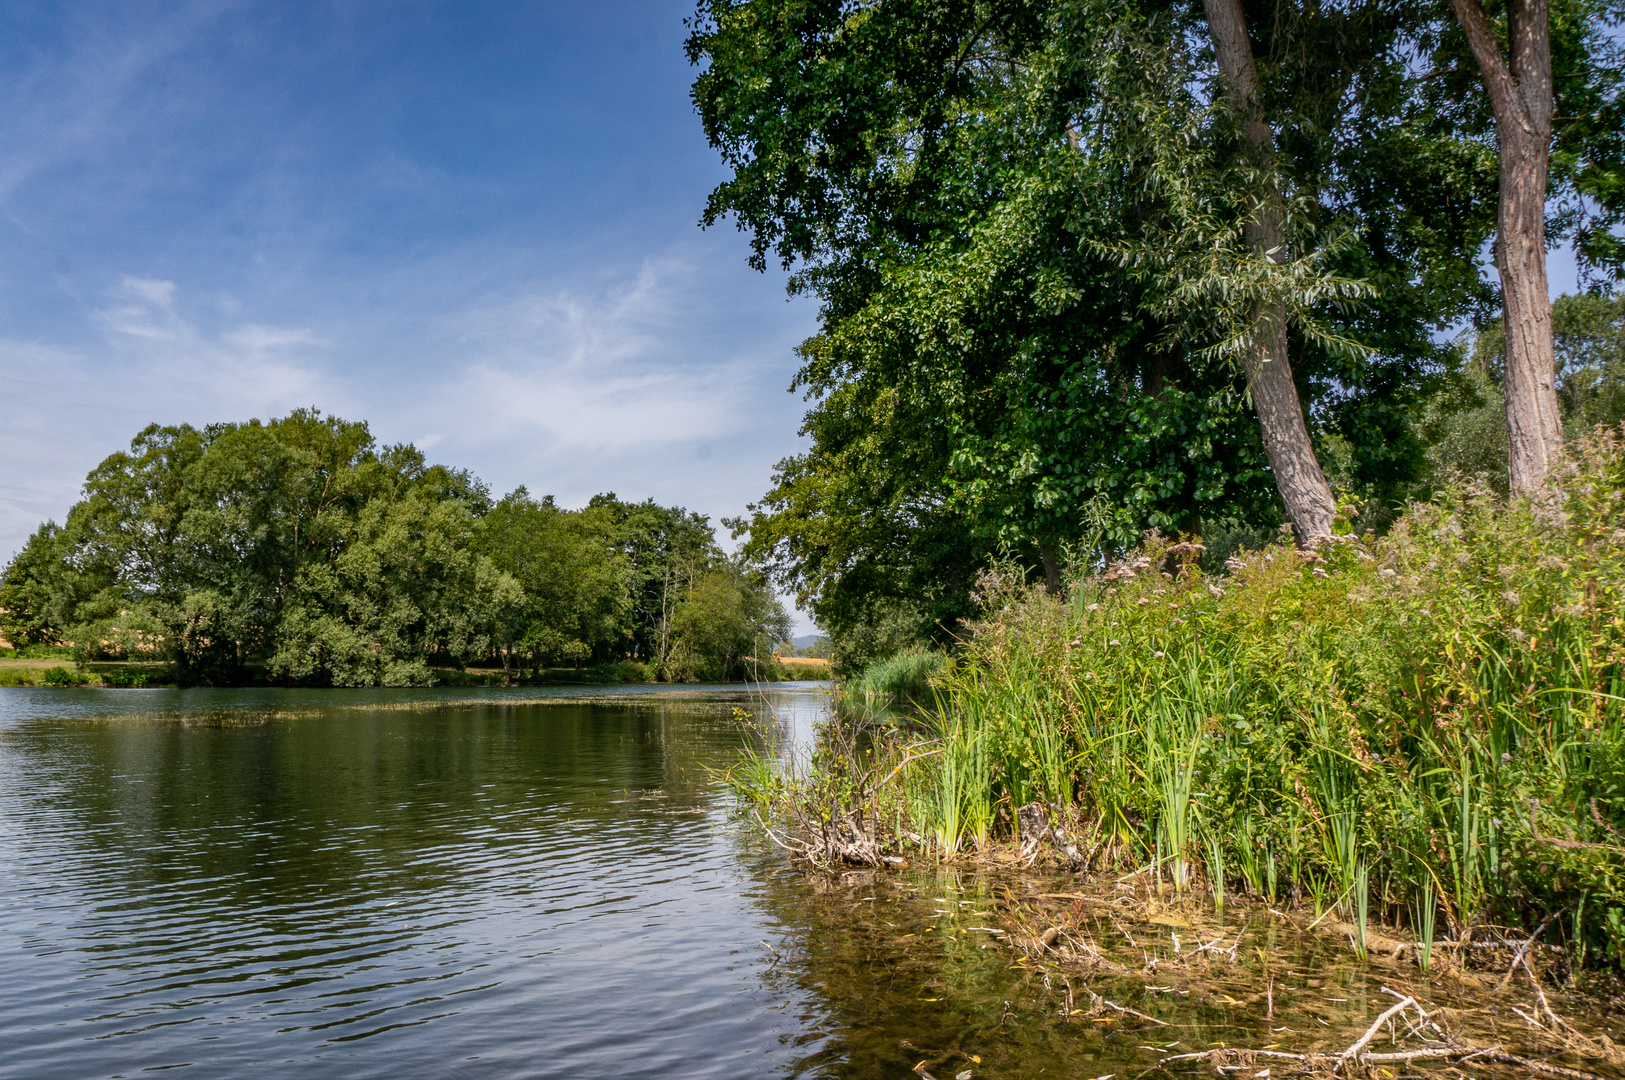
(1439, 712)
(1424, 908)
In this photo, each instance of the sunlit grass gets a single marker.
(1386, 727)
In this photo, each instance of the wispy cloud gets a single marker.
(220, 209)
(604, 371)
(82, 97)
(62, 409)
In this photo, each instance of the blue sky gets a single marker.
(472, 224)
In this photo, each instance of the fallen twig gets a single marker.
(1523, 949)
(1376, 1026)
(1448, 1049)
(1132, 1012)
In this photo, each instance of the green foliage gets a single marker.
(724, 627)
(899, 682)
(821, 648)
(1025, 224)
(1466, 425)
(1432, 721)
(298, 551)
(575, 579)
(906, 674)
(37, 652)
(296, 547)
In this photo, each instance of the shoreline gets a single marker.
(1138, 962)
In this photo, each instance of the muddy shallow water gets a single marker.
(548, 883)
(921, 977)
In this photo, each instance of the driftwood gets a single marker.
(1523, 949)
(1443, 1047)
(1035, 823)
(842, 840)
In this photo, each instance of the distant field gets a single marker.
(804, 664)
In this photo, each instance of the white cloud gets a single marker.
(260, 339)
(598, 372)
(63, 409)
(160, 294)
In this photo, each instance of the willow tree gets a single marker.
(1307, 496)
(1521, 94)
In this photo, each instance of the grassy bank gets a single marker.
(902, 681)
(57, 672)
(53, 670)
(1426, 728)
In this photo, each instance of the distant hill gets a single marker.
(809, 645)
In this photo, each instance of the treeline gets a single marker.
(298, 551)
(1091, 268)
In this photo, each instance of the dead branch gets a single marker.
(1124, 1009)
(1448, 1049)
(1376, 1026)
(1523, 949)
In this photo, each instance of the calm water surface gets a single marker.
(526, 883)
(376, 883)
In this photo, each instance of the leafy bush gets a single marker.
(1433, 720)
(631, 671)
(61, 676)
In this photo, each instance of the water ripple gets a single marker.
(475, 889)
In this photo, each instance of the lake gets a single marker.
(383, 883)
(522, 883)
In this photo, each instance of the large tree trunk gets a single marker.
(1298, 476)
(1521, 95)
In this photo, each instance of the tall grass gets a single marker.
(901, 680)
(1438, 714)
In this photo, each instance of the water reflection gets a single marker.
(494, 885)
(487, 889)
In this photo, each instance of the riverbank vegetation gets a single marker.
(1178, 311)
(299, 552)
(1056, 255)
(1425, 728)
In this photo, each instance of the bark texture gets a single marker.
(1052, 570)
(1520, 92)
(1298, 476)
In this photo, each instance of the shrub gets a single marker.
(1434, 719)
(631, 671)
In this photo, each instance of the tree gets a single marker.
(295, 549)
(1034, 231)
(1468, 426)
(576, 582)
(1521, 94)
(1304, 490)
(665, 549)
(726, 624)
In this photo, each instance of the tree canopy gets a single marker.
(1024, 222)
(299, 551)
